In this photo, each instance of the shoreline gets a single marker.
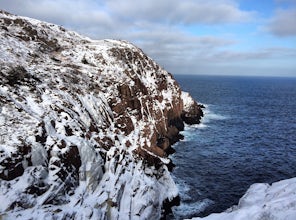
(188, 119)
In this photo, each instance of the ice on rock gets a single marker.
(81, 127)
(263, 201)
(80, 124)
(187, 100)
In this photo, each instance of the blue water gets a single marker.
(248, 135)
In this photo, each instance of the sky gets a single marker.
(205, 37)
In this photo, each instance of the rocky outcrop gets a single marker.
(85, 125)
(263, 201)
(192, 112)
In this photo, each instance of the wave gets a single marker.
(209, 116)
(187, 208)
(191, 209)
(184, 189)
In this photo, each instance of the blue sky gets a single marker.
(216, 37)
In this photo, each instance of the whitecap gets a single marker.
(184, 189)
(189, 133)
(210, 115)
(191, 209)
(213, 116)
(201, 125)
(187, 208)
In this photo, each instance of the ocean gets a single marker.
(248, 135)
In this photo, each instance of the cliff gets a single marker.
(85, 125)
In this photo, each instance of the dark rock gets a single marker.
(13, 166)
(112, 112)
(17, 75)
(37, 189)
(167, 206)
(193, 115)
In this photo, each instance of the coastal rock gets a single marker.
(85, 125)
(192, 111)
(263, 201)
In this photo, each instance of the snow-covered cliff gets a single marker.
(85, 125)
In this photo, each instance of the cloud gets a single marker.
(170, 46)
(164, 29)
(130, 11)
(117, 18)
(184, 12)
(152, 25)
(264, 53)
(181, 53)
(267, 61)
(85, 16)
(283, 23)
(230, 61)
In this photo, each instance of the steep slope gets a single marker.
(85, 125)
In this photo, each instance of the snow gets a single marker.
(187, 100)
(66, 104)
(263, 201)
(70, 107)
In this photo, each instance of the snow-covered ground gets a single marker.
(84, 125)
(263, 202)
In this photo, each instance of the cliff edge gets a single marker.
(85, 125)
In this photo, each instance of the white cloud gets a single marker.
(151, 24)
(231, 61)
(283, 23)
(159, 27)
(74, 12)
(84, 16)
(177, 11)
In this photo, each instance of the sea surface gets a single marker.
(248, 135)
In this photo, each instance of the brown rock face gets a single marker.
(193, 114)
(140, 99)
(83, 121)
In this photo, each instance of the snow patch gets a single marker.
(263, 201)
